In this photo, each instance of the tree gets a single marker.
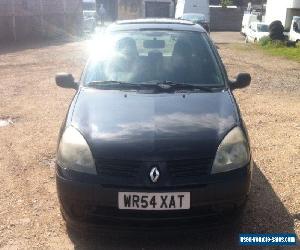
(225, 3)
(276, 31)
(240, 3)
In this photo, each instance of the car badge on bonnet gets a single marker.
(154, 174)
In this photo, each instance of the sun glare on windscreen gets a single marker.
(102, 48)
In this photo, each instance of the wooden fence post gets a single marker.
(42, 18)
(14, 20)
(65, 16)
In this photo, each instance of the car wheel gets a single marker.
(246, 39)
(76, 229)
(238, 210)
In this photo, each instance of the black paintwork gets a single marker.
(130, 125)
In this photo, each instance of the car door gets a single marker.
(249, 34)
(252, 33)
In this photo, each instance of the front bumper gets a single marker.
(88, 203)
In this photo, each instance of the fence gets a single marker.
(30, 19)
(226, 19)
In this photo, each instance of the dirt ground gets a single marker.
(29, 210)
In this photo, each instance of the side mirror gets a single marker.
(65, 80)
(243, 80)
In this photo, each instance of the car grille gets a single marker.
(189, 168)
(127, 172)
(118, 168)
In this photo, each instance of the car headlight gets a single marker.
(74, 153)
(232, 153)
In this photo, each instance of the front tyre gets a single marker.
(236, 213)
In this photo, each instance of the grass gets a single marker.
(287, 52)
(276, 49)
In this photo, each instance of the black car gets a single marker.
(197, 18)
(153, 135)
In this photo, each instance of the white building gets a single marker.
(282, 10)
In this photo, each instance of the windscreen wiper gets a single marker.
(167, 86)
(113, 85)
(184, 86)
(106, 83)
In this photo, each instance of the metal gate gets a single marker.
(157, 9)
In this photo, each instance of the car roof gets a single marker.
(155, 23)
(255, 23)
(192, 13)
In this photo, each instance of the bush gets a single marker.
(265, 41)
(268, 42)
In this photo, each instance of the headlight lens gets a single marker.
(74, 152)
(232, 153)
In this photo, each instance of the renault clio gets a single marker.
(154, 135)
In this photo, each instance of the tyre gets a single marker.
(238, 210)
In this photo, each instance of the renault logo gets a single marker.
(154, 174)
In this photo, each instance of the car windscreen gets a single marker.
(263, 28)
(297, 25)
(194, 17)
(141, 56)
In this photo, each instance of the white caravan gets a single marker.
(192, 6)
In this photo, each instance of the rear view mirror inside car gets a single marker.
(154, 44)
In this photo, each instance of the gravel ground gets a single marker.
(34, 108)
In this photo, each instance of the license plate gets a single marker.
(154, 201)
